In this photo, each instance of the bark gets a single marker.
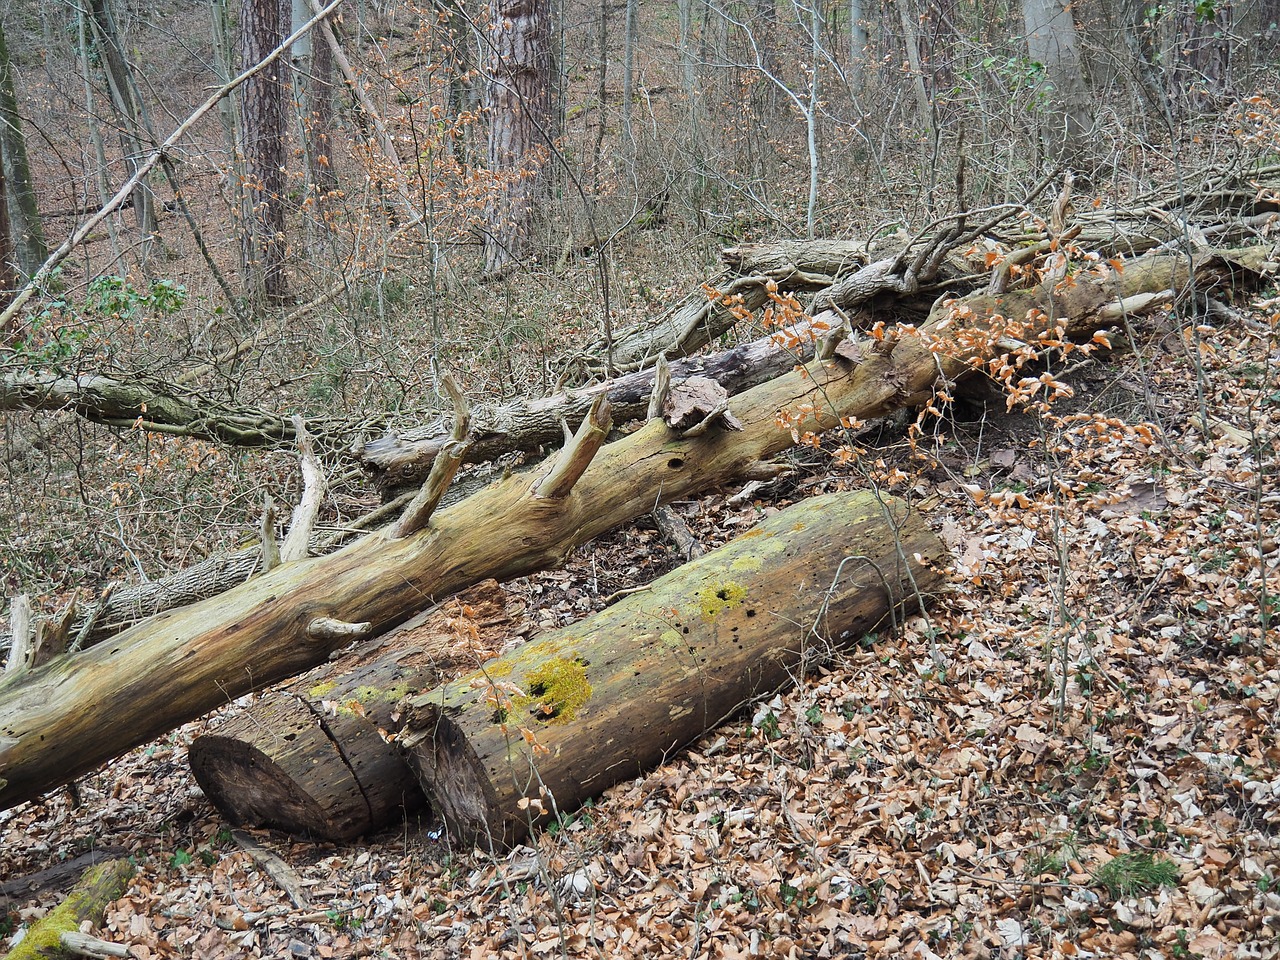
(58, 876)
(519, 103)
(133, 404)
(313, 81)
(911, 39)
(263, 128)
(134, 135)
(8, 263)
(1052, 41)
(536, 732)
(87, 901)
(24, 216)
(313, 758)
(72, 714)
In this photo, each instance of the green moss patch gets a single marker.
(557, 690)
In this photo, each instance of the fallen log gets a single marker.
(68, 716)
(314, 757)
(87, 901)
(400, 458)
(534, 733)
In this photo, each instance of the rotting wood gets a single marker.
(340, 776)
(74, 713)
(536, 732)
(99, 886)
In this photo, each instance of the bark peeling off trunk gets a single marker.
(576, 710)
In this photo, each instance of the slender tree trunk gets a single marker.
(24, 216)
(313, 92)
(911, 38)
(134, 137)
(812, 112)
(461, 56)
(858, 39)
(95, 132)
(263, 146)
(631, 17)
(519, 101)
(9, 280)
(1052, 40)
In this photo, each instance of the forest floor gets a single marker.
(1073, 753)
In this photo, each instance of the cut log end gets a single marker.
(250, 789)
(463, 796)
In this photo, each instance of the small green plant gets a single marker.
(1135, 874)
(180, 858)
(770, 727)
(342, 920)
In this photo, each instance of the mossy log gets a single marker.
(66, 717)
(315, 756)
(88, 899)
(575, 711)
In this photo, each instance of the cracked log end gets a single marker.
(305, 786)
(463, 795)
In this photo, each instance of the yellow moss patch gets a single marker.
(320, 689)
(716, 597)
(392, 694)
(557, 690)
(497, 668)
(749, 563)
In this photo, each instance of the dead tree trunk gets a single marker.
(314, 757)
(47, 939)
(77, 711)
(563, 718)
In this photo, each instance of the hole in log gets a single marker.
(722, 593)
(751, 613)
(675, 463)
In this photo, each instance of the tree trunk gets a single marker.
(77, 711)
(519, 102)
(313, 92)
(134, 136)
(630, 25)
(525, 425)
(263, 128)
(24, 215)
(313, 758)
(1051, 40)
(536, 732)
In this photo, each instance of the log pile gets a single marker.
(67, 716)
